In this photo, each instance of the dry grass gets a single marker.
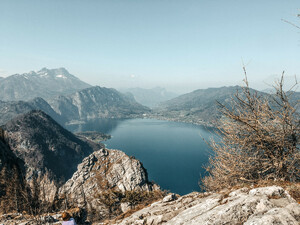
(141, 199)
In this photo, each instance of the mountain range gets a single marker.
(69, 100)
(97, 102)
(45, 83)
(63, 97)
(199, 106)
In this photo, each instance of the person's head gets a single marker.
(65, 216)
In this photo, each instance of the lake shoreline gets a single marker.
(173, 153)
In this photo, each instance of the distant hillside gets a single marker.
(199, 106)
(97, 102)
(11, 109)
(150, 97)
(295, 98)
(90, 103)
(45, 146)
(46, 83)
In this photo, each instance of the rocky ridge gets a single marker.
(265, 205)
(12, 109)
(45, 146)
(198, 107)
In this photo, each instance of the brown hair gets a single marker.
(65, 216)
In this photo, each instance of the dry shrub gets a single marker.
(135, 198)
(259, 140)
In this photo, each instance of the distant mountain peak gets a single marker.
(45, 83)
(58, 72)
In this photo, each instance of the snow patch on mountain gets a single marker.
(61, 76)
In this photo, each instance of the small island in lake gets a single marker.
(94, 136)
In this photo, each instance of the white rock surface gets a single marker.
(102, 170)
(260, 206)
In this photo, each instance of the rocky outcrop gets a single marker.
(266, 205)
(105, 170)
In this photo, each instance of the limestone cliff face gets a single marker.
(267, 205)
(103, 170)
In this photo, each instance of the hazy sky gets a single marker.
(178, 44)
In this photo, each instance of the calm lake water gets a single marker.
(173, 153)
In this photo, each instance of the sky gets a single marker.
(181, 45)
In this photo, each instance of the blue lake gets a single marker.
(173, 153)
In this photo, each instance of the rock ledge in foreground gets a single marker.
(265, 205)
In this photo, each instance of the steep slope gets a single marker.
(45, 146)
(11, 109)
(8, 162)
(150, 97)
(199, 106)
(46, 83)
(97, 102)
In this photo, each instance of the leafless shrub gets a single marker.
(259, 140)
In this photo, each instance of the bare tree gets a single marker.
(259, 140)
